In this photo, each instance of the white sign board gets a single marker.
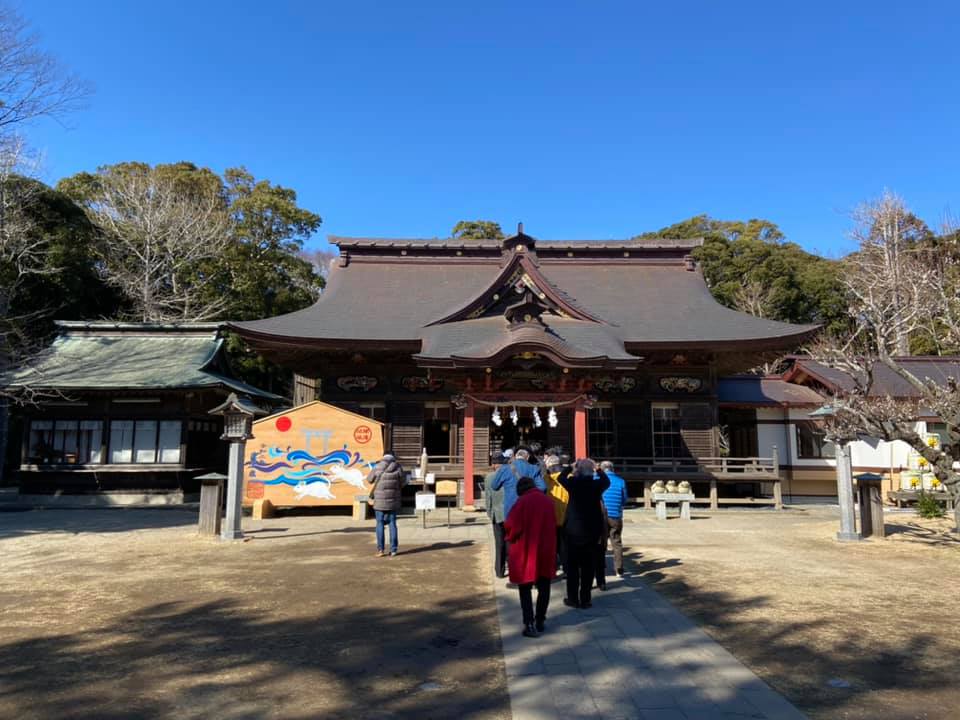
(426, 501)
(431, 478)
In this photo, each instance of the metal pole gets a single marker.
(231, 528)
(848, 531)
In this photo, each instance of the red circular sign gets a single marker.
(362, 434)
(283, 423)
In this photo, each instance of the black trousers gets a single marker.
(581, 558)
(543, 600)
(600, 563)
(499, 550)
(561, 549)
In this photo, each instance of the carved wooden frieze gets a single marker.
(675, 384)
(358, 383)
(611, 384)
(420, 383)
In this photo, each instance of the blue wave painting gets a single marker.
(300, 466)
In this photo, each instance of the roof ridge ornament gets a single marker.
(520, 242)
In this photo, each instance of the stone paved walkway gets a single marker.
(632, 655)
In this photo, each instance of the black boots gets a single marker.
(529, 630)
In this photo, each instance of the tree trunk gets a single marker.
(4, 434)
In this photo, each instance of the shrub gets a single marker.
(928, 506)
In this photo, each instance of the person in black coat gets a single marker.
(583, 528)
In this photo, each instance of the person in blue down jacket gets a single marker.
(613, 499)
(508, 475)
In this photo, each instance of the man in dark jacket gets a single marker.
(495, 512)
(508, 475)
(583, 528)
(388, 479)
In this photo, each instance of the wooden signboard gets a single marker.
(314, 454)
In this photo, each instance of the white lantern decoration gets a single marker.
(537, 422)
(514, 416)
(552, 420)
(495, 417)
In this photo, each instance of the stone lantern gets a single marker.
(238, 415)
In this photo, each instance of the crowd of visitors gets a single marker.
(548, 512)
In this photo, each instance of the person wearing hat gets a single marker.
(495, 512)
(388, 479)
(531, 532)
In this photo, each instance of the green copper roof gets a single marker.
(105, 356)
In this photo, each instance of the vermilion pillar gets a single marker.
(580, 431)
(468, 454)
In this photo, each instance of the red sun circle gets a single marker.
(283, 423)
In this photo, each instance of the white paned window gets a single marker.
(145, 442)
(169, 444)
(40, 444)
(90, 442)
(121, 441)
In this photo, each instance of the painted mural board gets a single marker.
(314, 454)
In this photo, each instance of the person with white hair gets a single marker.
(583, 528)
(509, 474)
(614, 498)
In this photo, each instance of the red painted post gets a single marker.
(468, 454)
(580, 431)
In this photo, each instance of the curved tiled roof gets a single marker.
(483, 339)
(647, 293)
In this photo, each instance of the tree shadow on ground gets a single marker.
(780, 650)
(914, 532)
(94, 520)
(220, 660)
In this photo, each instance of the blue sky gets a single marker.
(583, 120)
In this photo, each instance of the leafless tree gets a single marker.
(159, 231)
(321, 260)
(754, 297)
(895, 287)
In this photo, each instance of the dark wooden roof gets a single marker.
(885, 381)
(757, 391)
(427, 294)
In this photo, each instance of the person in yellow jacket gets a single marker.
(560, 498)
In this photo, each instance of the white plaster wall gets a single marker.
(769, 436)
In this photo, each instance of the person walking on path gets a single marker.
(583, 528)
(388, 479)
(600, 560)
(531, 532)
(508, 475)
(614, 498)
(497, 516)
(560, 498)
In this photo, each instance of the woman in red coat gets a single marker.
(531, 530)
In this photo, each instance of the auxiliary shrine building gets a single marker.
(608, 349)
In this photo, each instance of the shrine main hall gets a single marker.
(612, 350)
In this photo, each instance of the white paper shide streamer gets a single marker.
(552, 420)
(495, 417)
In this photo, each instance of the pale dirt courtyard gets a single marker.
(128, 614)
(802, 611)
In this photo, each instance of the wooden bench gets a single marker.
(681, 499)
(908, 496)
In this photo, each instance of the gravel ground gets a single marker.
(127, 613)
(860, 631)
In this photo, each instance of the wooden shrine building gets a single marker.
(463, 347)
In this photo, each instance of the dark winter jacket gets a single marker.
(584, 524)
(389, 479)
